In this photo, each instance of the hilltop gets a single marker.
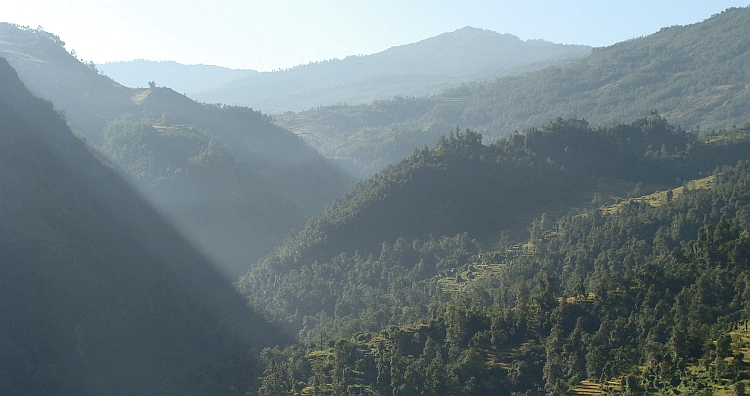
(187, 79)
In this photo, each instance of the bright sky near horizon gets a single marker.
(277, 34)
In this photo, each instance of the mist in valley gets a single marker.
(469, 213)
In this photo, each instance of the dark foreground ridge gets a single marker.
(99, 294)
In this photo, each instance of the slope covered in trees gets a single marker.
(695, 75)
(374, 257)
(229, 179)
(646, 299)
(98, 293)
(417, 69)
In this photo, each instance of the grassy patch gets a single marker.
(660, 198)
(140, 95)
(460, 278)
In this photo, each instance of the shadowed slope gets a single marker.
(229, 179)
(99, 295)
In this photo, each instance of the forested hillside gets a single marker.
(372, 259)
(640, 298)
(695, 75)
(423, 68)
(419, 281)
(98, 293)
(228, 178)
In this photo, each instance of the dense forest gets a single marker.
(458, 198)
(419, 282)
(695, 75)
(641, 299)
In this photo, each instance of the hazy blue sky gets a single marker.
(273, 34)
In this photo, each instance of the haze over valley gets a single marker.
(468, 213)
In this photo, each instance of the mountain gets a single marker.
(695, 75)
(648, 296)
(99, 294)
(524, 266)
(372, 258)
(423, 68)
(233, 182)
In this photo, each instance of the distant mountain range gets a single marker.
(695, 75)
(423, 68)
(187, 79)
(232, 182)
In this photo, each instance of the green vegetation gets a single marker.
(377, 255)
(563, 259)
(694, 75)
(644, 299)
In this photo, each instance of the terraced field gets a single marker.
(659, 198)
(459, 278)
(591, 388)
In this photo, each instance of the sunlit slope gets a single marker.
(648, 297)
(693, 75)
(234, 182)
(99, 295)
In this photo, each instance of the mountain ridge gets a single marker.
(694, 75)
(536, 264)
(434, 63)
